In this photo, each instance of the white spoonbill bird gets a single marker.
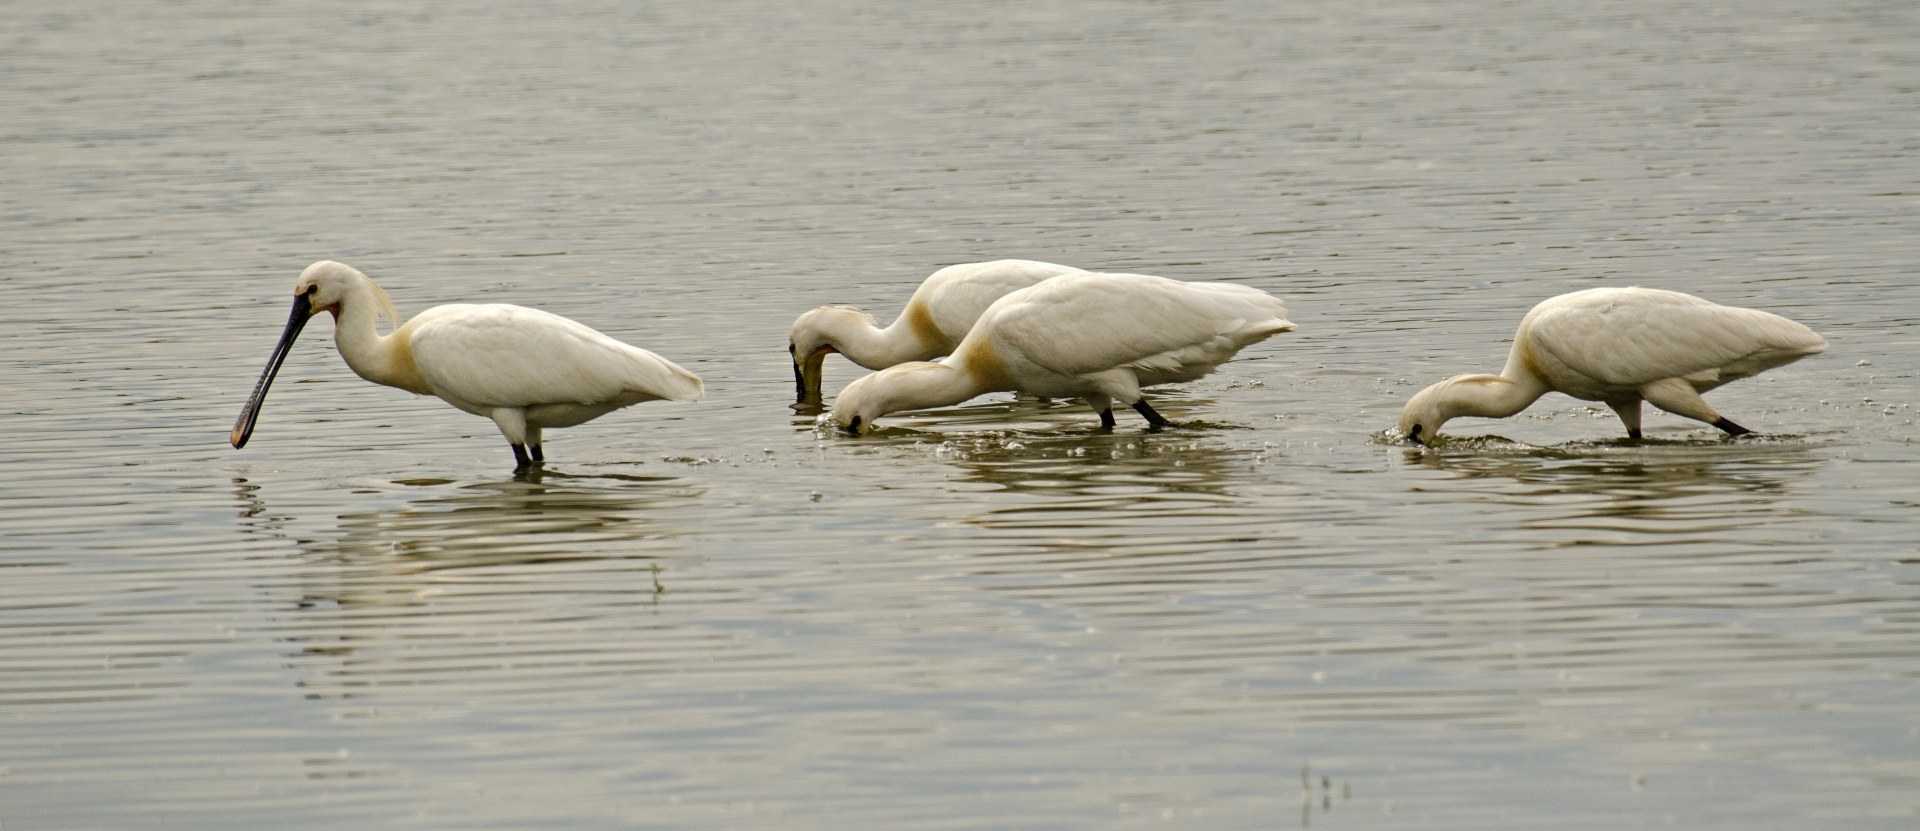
(1620, 346)
(1096, 337)
(937, 317)
(526, 369)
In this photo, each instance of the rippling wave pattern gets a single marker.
(724, 615)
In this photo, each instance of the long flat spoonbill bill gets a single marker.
(1096, 337)
(524, 368)
(937, 317)
(1620, 346)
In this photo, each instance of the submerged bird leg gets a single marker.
(1677, 396)
(1153, 417)
(512, 422)
(1629, 413)
(1731, 428)
(1101, 404)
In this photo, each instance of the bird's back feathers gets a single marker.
(955, 296)
(1628, 337)
(511, 356)
(1082, 323)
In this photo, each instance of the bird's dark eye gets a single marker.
(793, 350)
(855, 424)
(1415, 432)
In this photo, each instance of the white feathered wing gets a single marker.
(486, 356)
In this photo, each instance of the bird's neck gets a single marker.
(874, 348)
(921, 385)
(383, 360)
(1494, 396)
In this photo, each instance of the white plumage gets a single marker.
(523, 368)
(1620, 346)
(938, 315)
(1097, 337)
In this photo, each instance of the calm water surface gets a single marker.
(714, 615)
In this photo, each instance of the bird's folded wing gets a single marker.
(511, 356)
(957, 295)
(1081, 324)
(1666, 336)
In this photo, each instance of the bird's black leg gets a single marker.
(520, 461)
(535, 452)
(1629, 413)
(1153, 417)
(1106, 419)
(1731, 428)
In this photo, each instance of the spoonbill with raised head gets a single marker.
(1096, 337)
(524, 368)
(937, 317)
(1620, 346)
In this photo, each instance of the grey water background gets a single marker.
(992, 616)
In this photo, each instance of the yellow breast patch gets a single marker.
(920, 321)
(985, 368)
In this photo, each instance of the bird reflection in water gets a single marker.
(1038, 446)
(545, 517)
(1643, 486)
(481, 583)
(1126, 467)
(1127, 514)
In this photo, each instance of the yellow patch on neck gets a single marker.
(985, 368)
(1528, 360)
(920, 322)
(402, 372)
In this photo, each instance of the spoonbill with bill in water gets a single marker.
(938, 315)
(1620, 346)
(1096, 337)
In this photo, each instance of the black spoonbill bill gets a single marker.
(523, 368)
(1096, 337)
(937, 317)
(1620, 346)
